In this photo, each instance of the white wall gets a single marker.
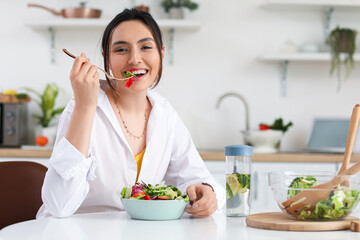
(222, 56)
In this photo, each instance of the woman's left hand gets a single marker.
(203, 198)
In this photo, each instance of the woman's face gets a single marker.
(133, 47)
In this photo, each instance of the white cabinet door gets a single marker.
(262, 196)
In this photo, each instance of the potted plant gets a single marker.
(342, 40)
(46, 103)
(175, 8)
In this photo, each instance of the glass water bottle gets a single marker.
(238, 180)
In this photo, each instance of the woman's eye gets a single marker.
(120, 50)
(146, 47)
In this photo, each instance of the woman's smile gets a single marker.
(140, 73)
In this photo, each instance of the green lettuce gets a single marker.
(301, 183)
(339, 203)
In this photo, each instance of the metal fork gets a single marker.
(107, 74)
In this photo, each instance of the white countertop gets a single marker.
(118, 225)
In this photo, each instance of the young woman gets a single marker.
(111, 136)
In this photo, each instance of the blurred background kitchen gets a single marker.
(223, 50)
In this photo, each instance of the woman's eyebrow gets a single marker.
(145, 40)
(140, 41)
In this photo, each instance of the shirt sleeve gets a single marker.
(66, 181)
(186, 165)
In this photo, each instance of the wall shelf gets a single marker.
(326, 6)
(312, 4)
(311, 57)
(285, 58)
(61, 23)
(54, 25)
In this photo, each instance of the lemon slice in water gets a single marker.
(233, 183)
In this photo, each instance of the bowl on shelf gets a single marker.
(340, 202)
(154, 209)
(263, 141)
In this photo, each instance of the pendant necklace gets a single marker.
(125, 126)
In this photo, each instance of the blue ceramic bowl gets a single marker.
(154, 209)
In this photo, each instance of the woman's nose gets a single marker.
(135, 57)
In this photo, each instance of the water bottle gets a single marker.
(238, 176)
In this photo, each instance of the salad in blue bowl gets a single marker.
(159, 202)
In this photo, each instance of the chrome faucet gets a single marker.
(237, 95)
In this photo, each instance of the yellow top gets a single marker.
(139, 159)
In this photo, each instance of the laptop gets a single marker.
(328, 135)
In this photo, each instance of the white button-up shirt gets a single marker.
(75, 183)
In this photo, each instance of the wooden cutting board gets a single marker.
(279, 221)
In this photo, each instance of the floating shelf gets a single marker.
(312, 4)
(313, 57)
(286, 58)
(326, 6)
(61, 23)
(55, 24)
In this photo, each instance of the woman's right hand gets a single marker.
(85, 83)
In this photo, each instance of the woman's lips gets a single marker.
(140, 74)
(140, 77)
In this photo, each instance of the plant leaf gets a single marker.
(58, 111)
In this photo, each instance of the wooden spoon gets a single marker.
(354, 122)
(310, 196)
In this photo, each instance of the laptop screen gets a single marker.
(328, 135)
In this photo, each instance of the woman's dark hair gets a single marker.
(127, 15)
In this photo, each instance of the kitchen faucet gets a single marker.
(243, 100)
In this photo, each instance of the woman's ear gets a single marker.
(163, 53)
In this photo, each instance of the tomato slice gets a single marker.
(147, 197)
(163, 197)
(138, 194)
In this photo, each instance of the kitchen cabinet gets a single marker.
(261, 194)
(262, 164)
(326, 6)
(54, 25)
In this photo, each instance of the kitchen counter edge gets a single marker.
(208, 156)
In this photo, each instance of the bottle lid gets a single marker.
(238, 150)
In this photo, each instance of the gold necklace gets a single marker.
(126, 128)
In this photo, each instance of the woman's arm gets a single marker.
(85, 84)
(71, 164)
(66, 182)
(187, 170)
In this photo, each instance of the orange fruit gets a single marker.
(41, 140)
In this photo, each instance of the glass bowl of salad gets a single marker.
(340, 202)
(159, 202)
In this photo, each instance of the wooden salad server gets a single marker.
(310, 196)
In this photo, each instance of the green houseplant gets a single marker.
(44, 133)
(46, 103)
(178, 5)
(342, 40)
